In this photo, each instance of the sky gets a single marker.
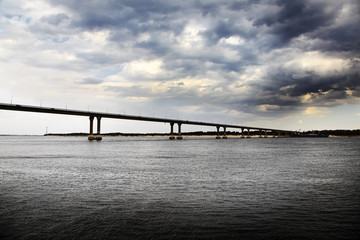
(267, 63)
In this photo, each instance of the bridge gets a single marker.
(99, 115)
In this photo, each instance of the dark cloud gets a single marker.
(136, 16)
(312, 82)
(343, 38)
(154, 46)
(242, 5)
(295, 18)
(154, 6)
(286, 90)
(316, 20)
(291, 19)
(224, 29)
(233, 36)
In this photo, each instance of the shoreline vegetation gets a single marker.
(317, 133)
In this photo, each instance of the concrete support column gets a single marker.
(242, 133)
(224, 135)
(278, 134)
(179, 132)
(91, 135)
(265, 134)
(98, 136)
(172, 137)
(260, 136)
(248, 135)
(273, 132)
(218, 132)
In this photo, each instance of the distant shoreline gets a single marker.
(323, 133)
(233, 134)
(167, 135)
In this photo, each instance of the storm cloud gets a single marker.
(255, 57)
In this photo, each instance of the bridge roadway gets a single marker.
(99, 115)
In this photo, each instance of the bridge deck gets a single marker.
(26, 108)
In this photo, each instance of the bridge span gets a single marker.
(264, 132)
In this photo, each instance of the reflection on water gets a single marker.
(152, 188)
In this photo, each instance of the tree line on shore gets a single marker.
(339, 132)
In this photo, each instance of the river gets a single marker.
(196, 188)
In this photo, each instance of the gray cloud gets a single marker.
(295, 18)
(91, 81)
(228, 43)
(55, 19)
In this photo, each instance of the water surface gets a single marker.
(153, 188)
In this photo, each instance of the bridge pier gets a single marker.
(224, 134)
(172, 137)
(218, 132)
(91, 135)
(265, 134)
(260, 136)
(179, 132)
(242, 133)
(98, 137)
(248, 134)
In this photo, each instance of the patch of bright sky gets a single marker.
(107, 72)
(318, 62)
